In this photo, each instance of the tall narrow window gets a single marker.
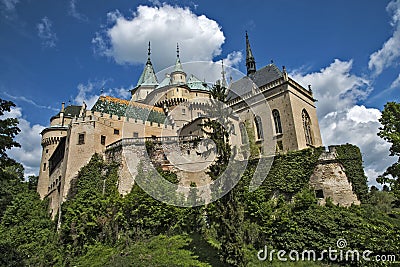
(44, 166)
(243, 133)
(81, 139)
(307, 127)
(103, 140)
(277, 121)
(259, 129)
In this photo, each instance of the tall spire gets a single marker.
(250, 62)
(178, 65)
(148, 55)
(148, 76)
(223, 83)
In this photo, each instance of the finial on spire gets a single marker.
(177, 50)
(148, 55)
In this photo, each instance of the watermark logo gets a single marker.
(338, 254)
(185, 107)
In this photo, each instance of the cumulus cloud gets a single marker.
(45, 32)
(73, 11)
(335, 87)
(125, 40)
(88, 93)
(389, 54)
(342, 120)
(29, 154)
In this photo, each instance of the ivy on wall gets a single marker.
(291, 172)
(350, 157)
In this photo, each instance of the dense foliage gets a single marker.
(391, 132)
(99, 227)
(350, 157)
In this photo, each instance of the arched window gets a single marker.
(277, 121)
(257, 120)
(307, 127)
(243, 133)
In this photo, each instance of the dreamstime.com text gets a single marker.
(338, 254)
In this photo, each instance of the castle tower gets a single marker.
(51, 137)
(250, 61)
(147, 81)
(178, 76)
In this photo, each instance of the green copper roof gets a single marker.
(121, 107)
(178, 65)
(148, 76)
(165, 82)
(195, 83)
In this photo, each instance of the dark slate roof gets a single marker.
(70, 111)
(261, 77)
(266, 75)
(122, 108)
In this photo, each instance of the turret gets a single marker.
(178, 76)
(147, 81)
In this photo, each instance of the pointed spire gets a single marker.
(250, 61)
(223, 83)
(178, 65)
(148, 76)
(148, 55)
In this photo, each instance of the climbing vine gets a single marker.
(350, 157)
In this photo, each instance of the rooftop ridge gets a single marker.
(129, 103)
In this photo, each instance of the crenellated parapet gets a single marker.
(50, 141)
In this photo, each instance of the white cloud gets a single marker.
(359, 125)
(342, 121)
(335, 87)
(86, 94)
(199, 37)
(91, 91)
(45, 32)
(27, 100)
(74, 12)
(389, 54)
(395, 83)
(30, 152)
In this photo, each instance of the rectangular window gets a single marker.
(103, 140)
(47, 151)
(44, 166)
(81, 139)
(198, 114)
(135, 134)
(183, 111)
(116, 131)
(319, 193)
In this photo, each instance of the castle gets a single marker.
(169, 108)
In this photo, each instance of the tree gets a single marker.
(8, 130)
(390, 131)
(11, 172)
(228, 211)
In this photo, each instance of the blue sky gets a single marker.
(61, 51)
